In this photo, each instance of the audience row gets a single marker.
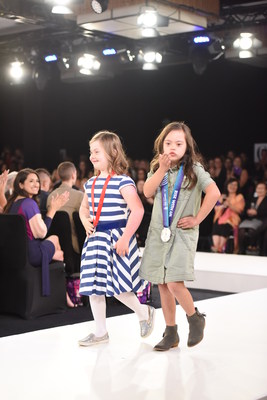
(241, 211)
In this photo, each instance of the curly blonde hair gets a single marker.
(113, 147)
(190, 157)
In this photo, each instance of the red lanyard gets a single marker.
(101, 201)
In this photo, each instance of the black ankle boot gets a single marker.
(196, 328)
(170, 339)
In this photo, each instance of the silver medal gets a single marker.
(165, 234)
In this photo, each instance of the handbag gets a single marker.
(73, 286)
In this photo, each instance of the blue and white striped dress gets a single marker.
(103, 271)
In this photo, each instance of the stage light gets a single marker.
(148, 19)
(150, 67)
(152, 57)
(60, 7)
(201, 39)
(244, 42)
(88, 64)
(16, 70)
(245, 54)
(109, 52)
(51, 58)
(99, 6)
(150, 60)
(149, 32)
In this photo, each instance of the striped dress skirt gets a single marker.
(103, 271)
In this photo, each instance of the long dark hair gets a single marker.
(191, 156)
(17, 190)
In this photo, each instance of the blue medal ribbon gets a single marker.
(168, 211)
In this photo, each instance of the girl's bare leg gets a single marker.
(168, 304)
(183, 296)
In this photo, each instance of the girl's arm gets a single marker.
(85, 217)
(153, 183)
(137, 211)
(212, 195)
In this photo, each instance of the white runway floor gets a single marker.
(230, 363)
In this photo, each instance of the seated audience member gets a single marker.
(251, 228)
(228, 165)
(227, 216)
(3, 180)
(219, 173)
(68, 175)
(148, 205)
(211, 167)
(241, 173)
(82, 172)
(9, 183)
(141, 174)
(55, 179)
(45, 184)
(23, 201)
(260, 167)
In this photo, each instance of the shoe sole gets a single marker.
(161, 349)
(84, 344)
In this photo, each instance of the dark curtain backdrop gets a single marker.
(225, 108)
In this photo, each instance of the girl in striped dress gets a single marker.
(111, 212)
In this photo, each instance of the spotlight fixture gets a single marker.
(51, 58)
(109, 51)
(245, 44)
(16, 70)
(149, 32)
(150, 60)
(201, 39)
(88, 64)
(99, 6)
(148, 19)
(60, 7)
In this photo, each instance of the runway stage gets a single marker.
(230, 363)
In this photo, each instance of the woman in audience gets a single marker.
(23, 201)
(83, 172)
(241, 173)
(228, 165)
(227, 216)
(251, 228)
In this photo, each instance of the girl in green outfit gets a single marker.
(177, 179)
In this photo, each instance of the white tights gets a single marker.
(98, 307)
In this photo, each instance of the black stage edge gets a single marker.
(14, 325)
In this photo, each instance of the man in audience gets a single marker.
(45, 186)
(68, 175)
